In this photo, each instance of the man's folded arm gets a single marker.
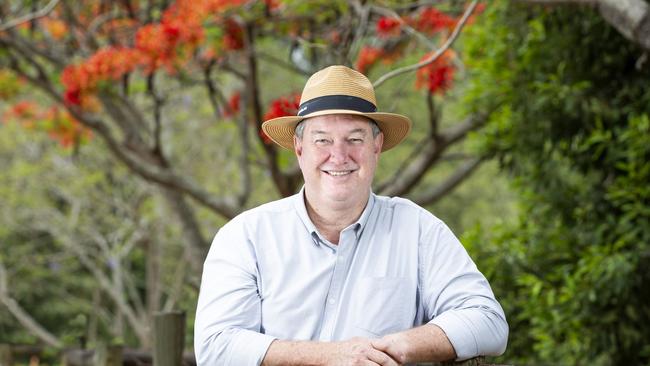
(458, 299)
(355, 351)
(474, 331)
(228, 315)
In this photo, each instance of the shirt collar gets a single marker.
(301, 209)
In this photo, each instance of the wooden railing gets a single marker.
(168, 345)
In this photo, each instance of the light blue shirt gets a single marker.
(270, 274)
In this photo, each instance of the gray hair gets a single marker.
(300, 128)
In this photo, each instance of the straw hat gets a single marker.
(338, 90)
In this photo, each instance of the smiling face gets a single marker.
(338, 156)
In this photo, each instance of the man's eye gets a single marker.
(356, 141)
(321, 141)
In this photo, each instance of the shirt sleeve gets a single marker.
(228, 316)
(458, 298)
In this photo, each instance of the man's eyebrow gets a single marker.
(321, 132)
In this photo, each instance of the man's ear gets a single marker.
(379, 142)
(297, 145)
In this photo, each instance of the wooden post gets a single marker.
(168, 338)
(5, 355)
(108, 355)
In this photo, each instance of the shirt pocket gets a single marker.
(380, 305)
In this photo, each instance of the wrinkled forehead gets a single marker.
(337, 121)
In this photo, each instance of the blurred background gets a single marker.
(130, 133)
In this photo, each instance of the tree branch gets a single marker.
(140, 162)
(49, 224)
(363, 14)
(436, 55)
(158, 103)
(435, 193)
(23, 316)
(28, 50)
(176, 287)
(195, 242)
(212, 92)
(244, 166)
(630, 17)
(28, 17)
(126, 124)
(226, 206)
(281, 63)
(280, 181)
(434, 116)
(407, 28)
(432, 149)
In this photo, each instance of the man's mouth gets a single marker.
(338, 173)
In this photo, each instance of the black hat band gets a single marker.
(336, 102)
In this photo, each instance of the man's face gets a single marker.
(338, 156)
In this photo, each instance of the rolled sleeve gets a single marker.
(227, 329)
(472, 332)
(236, 347)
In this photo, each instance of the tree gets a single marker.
(121, 66)
(81, 241)
(176, 92)
(573, 129)
(630, 17)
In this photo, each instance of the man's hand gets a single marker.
(358, 351)
(355, 351)
(422, 344)
(395, 345)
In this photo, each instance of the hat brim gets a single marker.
(395, 127)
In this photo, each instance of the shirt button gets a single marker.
(331, 301)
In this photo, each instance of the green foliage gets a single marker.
(57, 207)
(573, 129)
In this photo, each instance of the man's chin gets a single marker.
(335, 195)
(343, 196)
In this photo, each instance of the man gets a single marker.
(336, 275)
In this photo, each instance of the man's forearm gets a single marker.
(352, 351)
(427, 343)
(295, 353)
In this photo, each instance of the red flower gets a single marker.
(283, 106)
(388, 27)
(72, 97)
(110, 63)
(368, 56)
(64, 128)
(25, 112)
(438, 76)
(55, 27)
(168, 44)
(59, 124)
(172, 31)
(234, 37)
(440, 79)
(432, 20)
(233, 105)
(334, 36)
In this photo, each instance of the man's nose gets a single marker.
(339, 152)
